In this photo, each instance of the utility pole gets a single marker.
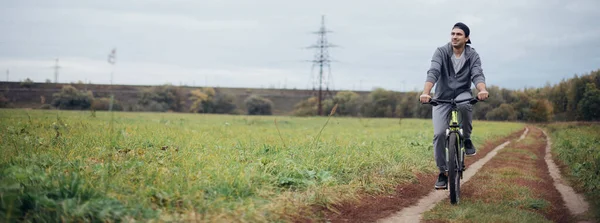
(403, 85)
(112, 59)
(56, 67)
(322, 59)
(360, 85)
(7, 75)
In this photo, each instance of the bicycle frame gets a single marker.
(454, 127)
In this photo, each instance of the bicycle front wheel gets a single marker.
(453, 169)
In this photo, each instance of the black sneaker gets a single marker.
(442, 181)
(470, 148)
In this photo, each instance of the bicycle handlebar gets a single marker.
(436, 102)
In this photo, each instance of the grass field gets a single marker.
(73, 165)
(576, 146)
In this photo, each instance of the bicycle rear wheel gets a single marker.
(453, 169)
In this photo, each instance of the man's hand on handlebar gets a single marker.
(425, 98)
(482, 95)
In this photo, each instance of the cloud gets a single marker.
(73, 69)
(259, 43)
(182, 21)
(583, 6)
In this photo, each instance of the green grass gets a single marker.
(577, 146)
(477, 211)
(220, 167)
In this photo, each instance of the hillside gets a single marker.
(23, 97)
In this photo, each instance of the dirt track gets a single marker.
(413, 213)
(373, 208)
(411, 201)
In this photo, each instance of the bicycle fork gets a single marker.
(461, 152)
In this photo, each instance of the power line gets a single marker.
(322, 59)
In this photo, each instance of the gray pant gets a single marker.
(440, 116)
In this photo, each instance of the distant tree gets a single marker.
(407, 104)
(224, 104)
(348, 104)
(507, 96)
(71, 98)
(149, 100)
(496, 98)
(574, 94)
(558, 98)
(522, 105)
(504, 112)
(27, 83)
(480, 110)
(541, 111)
(206, 100)
(589, 106)
(48, 81)
(202, 100)
(380, 103)
(257, 105)
(422, 111)
(306, 107)
(162, 98)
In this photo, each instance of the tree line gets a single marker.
(163, 98)
(573, 99)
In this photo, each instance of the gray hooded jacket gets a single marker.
(450, 83)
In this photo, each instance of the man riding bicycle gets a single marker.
(454, 67)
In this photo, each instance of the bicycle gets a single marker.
(455, 149)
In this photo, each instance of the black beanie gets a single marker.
(465, 28)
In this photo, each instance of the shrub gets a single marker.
(162, 98)
(225, 104)
(4, 102)
(256, 105)
(103, 104)
(348, 103)
(71, 98)
(380, 103)
(307, 107)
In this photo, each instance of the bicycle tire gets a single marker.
(453, 169)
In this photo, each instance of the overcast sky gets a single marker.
(259, 43)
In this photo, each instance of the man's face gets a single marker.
(458, 37)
